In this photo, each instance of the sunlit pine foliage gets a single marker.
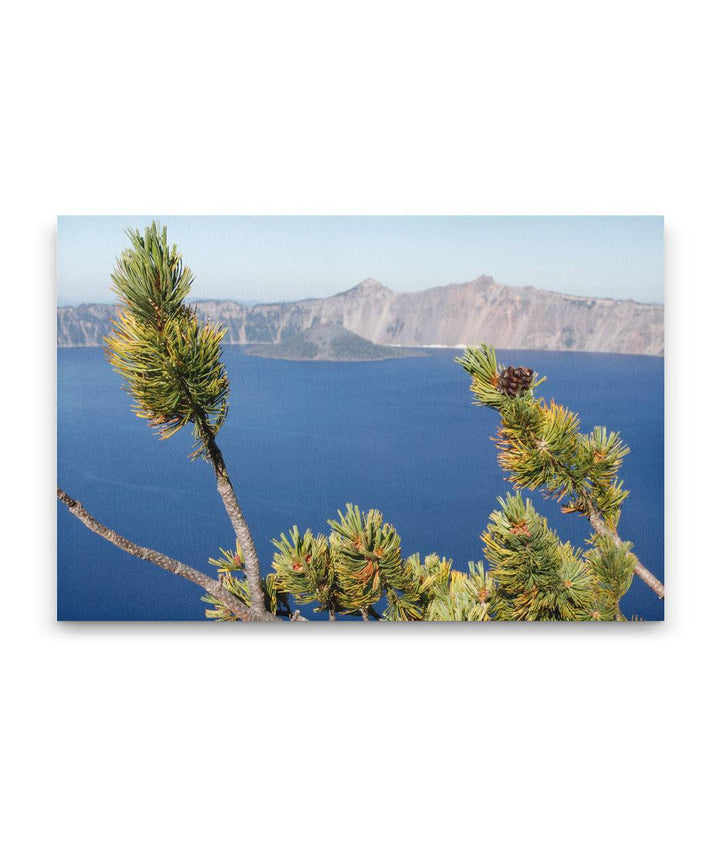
(169, 359)
(541, 447)
(230, 568)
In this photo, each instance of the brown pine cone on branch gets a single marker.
(514, 380)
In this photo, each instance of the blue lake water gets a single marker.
(400, 435)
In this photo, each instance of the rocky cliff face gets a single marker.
(451, 316)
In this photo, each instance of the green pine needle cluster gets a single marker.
(229, 565)
(537, 576)
(359, 569)
(351, 571)
(369, 564)
(612, 567)
(531, 576)
(170, 361)
(305, 569)
(541, 447)
(450, 595)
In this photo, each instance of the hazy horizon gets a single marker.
(271, 259)
(254, 302)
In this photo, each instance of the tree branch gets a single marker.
(237, 519)
(211, 586)
(601, 527)
(233, 510)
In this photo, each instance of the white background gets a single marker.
(188, 739)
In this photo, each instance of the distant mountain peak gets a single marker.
(483, 279)
(367, 287)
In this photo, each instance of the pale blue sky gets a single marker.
(287, 258)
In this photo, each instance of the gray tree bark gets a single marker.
(601, 527)
(238, 521)
(211, 586)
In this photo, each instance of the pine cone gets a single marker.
(514, 380)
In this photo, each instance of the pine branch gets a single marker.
(237, 519)
(537, 576)
(211, 586)
(304, 567)
(172, 366)
(597, 521)
(542, 448)
(367, 560)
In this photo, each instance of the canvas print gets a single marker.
(371, 419)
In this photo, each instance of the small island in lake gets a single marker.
(329, 342)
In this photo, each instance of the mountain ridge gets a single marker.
(453, 315)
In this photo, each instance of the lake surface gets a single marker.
(300, 441)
